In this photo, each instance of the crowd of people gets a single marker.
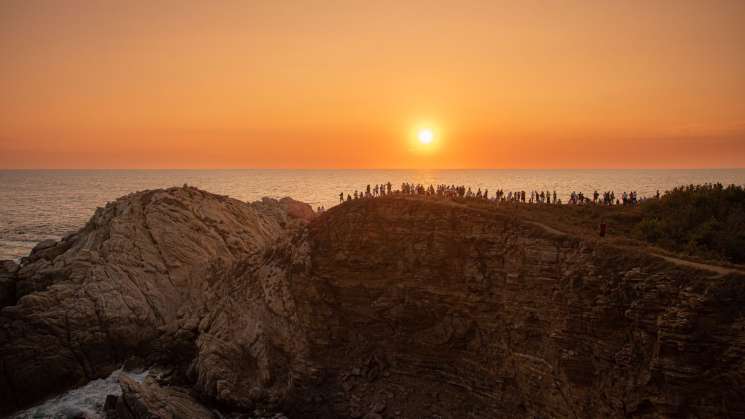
(463, 192)
(609, 198)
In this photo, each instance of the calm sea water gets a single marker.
(40, 204)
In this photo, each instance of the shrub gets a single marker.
(706, 220)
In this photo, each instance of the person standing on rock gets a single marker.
(341, 197)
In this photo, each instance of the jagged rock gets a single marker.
(8, 267)
(129, 283)
(43, 245)
(299, 210)
(150, 401)
(46, 250)
(435, 307)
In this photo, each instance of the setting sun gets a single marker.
(425, 136)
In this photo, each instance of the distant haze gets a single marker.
(345, 84)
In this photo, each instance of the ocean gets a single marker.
(43, 204)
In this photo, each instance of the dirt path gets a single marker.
(719, 270)
(547, 228)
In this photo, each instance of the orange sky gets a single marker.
(533, 84)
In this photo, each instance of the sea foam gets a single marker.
(86, 401)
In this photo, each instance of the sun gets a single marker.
(425, 136)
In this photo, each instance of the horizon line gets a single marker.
(352, 168)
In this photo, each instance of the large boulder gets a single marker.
(297, 209)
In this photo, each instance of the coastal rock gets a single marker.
(46, 250)
(297, 209)
(43, 245)
(148, 400)
(8, 267)
(393, 306)
(128, 283)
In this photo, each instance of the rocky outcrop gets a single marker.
(129, 283)
(150, 400)
(392, 307)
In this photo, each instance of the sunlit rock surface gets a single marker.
(379, 307)
(131, 281)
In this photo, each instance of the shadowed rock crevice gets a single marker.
(380, 307)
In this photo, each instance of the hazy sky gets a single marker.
(534, 84)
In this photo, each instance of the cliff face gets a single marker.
(385, 307)
(484, 313)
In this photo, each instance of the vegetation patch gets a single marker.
(704, 220)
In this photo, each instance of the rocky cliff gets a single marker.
(130, 282)
(378, 308)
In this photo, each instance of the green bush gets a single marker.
(705, 220)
